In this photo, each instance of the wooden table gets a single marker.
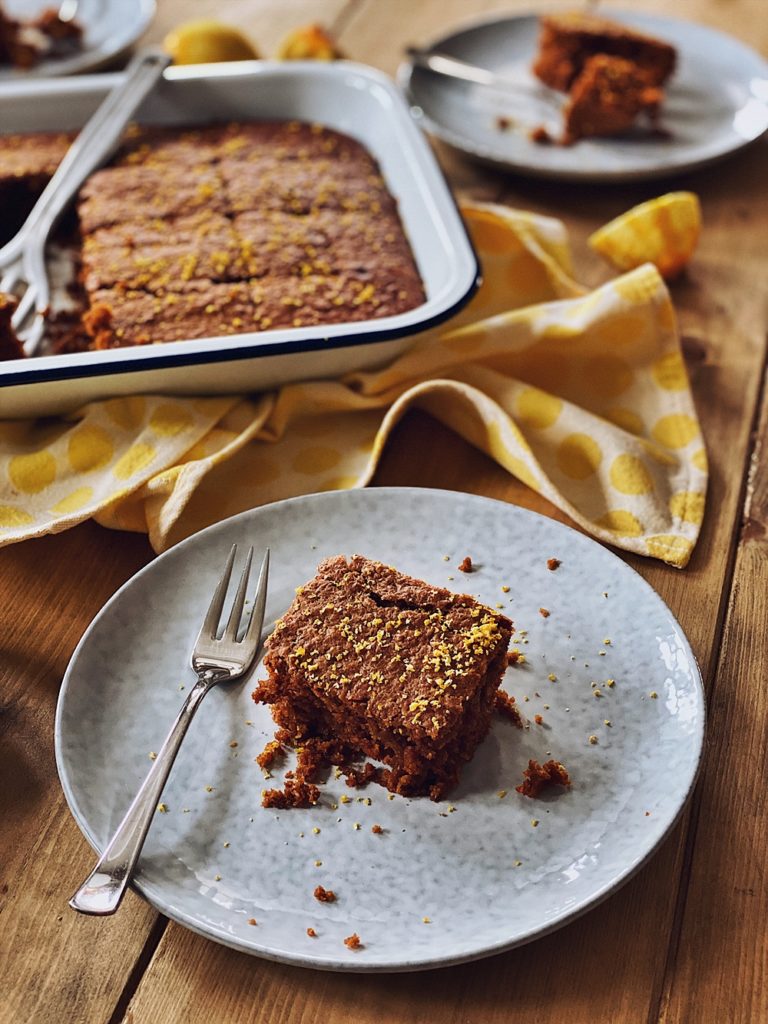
(685, 940)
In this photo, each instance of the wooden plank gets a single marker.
(54, 964)
(723, 942)
(77, 969)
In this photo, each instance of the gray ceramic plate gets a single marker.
(476, 866)
(717, 102)
(109, 28)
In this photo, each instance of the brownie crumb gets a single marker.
(538, 719)
(513, 657)
(377, 830)
(504, 123)
(311, 933)
(539, 776)
(465, 565)
(252, 920)
(553, 563)
(544, 613)
(10, 346)
(356, 778)
(353, 941)
(269, 754)
(540, 136)
(295, 793)
(324, 895)
(506, 707)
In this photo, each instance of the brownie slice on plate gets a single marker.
(368, 661)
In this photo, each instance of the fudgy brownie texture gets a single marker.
(228, 229)
(370, 662)
(567, 41)
(264, 225)
(10, 346)
(607, 96)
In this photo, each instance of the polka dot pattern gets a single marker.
(32, 473)
(675, 431)
(137, 457)
(688, 506)
(170, 419)
(90, 448)
(579, 456)
(582, 396)
(621, 522)
(628, 475)
(73, 501)
(538, 409)
(316, 459)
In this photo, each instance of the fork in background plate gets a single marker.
(215, 660)
(23, 258)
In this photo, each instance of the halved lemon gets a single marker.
(207, 42)
(664, 231)
(309, 42)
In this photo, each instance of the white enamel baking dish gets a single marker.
(349, 97)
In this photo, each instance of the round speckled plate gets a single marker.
(476, 867)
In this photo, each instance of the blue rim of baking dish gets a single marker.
(272, 348)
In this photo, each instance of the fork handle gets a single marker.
(98, 139)
(91, 148)
(104, 888)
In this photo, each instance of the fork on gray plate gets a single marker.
(215, 660)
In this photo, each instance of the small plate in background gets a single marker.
(716, 103)
(109, 28)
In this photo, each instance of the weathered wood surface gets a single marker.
(683, 941)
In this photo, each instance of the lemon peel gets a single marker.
(663, 231)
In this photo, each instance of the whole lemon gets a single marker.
(207, 42)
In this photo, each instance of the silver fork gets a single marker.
(23, 258)
(216, 660)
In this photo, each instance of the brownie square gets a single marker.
(119, 195)
(568, 40)
(163, 258)
(389, 667)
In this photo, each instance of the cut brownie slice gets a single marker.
(387, 666)
(568, 40)
(607, 97)
(10, 346)
(117, 195)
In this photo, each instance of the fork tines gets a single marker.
(209, 629)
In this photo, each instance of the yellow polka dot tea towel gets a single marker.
(581, 395)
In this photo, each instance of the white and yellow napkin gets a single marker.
(581, 395)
